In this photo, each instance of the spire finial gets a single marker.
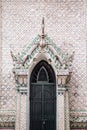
(42, 35)
(43, 27)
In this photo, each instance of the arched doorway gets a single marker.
(42, 97)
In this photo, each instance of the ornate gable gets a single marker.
(42, 46)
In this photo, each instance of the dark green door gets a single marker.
(42, 100)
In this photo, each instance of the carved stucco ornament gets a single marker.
(41, 44)
(7, 119)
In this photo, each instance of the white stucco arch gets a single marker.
(39, 57)
(42, 56)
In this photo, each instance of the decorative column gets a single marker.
(67, 112)
(21, 113)
(62, 101)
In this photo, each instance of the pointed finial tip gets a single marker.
(43, 20)
(43, 26)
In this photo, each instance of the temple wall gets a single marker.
(65, 23)
(0, 49)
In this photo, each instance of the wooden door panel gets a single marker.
(42, 107)
(36, 125)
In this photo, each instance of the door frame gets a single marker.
(28, 101)
(62, 100)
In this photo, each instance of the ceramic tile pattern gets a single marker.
(65, 23)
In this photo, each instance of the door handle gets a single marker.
(43, 122)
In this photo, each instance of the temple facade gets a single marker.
(43, 63)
